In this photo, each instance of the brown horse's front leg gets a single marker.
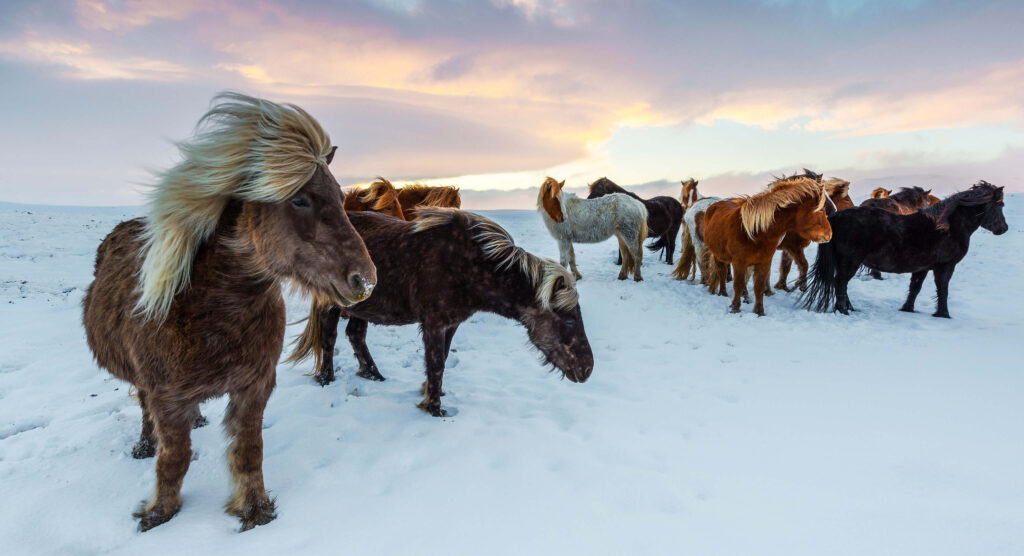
(785, 263)
(761, 275)
(356, 332)
(173, 429)
(435, 354)
(146, 446)
(244, 422)
(739, 287)
(328, 338)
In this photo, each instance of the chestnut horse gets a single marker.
(880, 193)
(438, 271)
(415, 196)
(186, 302)
(745, 232)
(570, 219)
(793, 245)
(380, 196)
(664, 216)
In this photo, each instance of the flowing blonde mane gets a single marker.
(836, 186)
(498, 246)
(244, 148)
(377, 194)
(757, 212)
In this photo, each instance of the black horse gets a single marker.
(664, 216)
(935, 238)
(438, 271)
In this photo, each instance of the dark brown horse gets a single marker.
(793, 245)
(664, 216)
(186, 302)
(415, 196)
(380, 196)
(907, 201)
(745, 232)
(438, 271)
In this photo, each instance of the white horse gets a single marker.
(693, 232)
(571, 219)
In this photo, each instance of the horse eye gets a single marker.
(300, 201)
(570, 322)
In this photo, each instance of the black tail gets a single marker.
(821, 293)
(658, 244)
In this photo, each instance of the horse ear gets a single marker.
(927, 191)
(561, 184)
(330, 155)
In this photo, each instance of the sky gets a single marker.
(493, 95)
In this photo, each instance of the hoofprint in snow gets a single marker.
(700, 432)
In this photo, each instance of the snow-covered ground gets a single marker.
(700, 432)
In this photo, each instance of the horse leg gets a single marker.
(916, 281)
(723, 273)
(843, 276)
(739, 286)
(146, 446)
(785, 263)
(173, 430)
(801, 265)
(434, 341)
(942, 275)
(762, 274)
(875, 274)
(638, 259)
(244, 424)
(746, 290)
(356, 332)
(198, 421)
(572, 263)
(328, 338)
(627, 259)
(448, 335)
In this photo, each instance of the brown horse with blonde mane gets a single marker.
(186, 302)
(793, 245)
(417, 195)
(745, 232)
(380, 196)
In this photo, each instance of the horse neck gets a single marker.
(784, 221)
(965, 221)
(507, 292)
(225, 267)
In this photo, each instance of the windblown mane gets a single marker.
(757, 212)
(810, 174)
(442, 196)
(376, 194)
(244, 148)
(880, 193)
(498, 246)
(836, 186)
(980, 193)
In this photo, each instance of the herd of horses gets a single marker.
(910, 231)
(186, 301)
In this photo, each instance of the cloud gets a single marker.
(78, 60)
(108, 16)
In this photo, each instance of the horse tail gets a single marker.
(821, 292)
(308, 343)
(659, 244)
(643, 230)
(711, 270)
(687, 257)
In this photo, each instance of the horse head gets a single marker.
(550, 199)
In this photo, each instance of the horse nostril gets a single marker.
(359, 284)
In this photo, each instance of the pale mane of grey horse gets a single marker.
(595, 220)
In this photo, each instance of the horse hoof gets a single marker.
(906, 309)
(370, 374)
(323, 379)
(941, 315)
(782, 287)
(433, 408)
(638, 278)
(143, 449)
(200, 422)
(769, 293)
(260, 513)
(149, 519)
(759, 313)
(734, 310)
